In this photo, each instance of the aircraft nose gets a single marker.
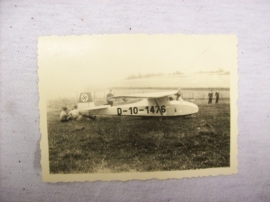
(195, 108)
(189, 108)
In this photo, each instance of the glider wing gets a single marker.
(95, 108)
(148, 95)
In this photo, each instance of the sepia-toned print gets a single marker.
(123, 107)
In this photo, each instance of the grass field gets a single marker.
(113, 144)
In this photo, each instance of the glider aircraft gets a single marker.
(152, 104)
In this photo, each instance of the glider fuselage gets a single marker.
(150, 107)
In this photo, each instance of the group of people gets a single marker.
(73, 114)
(210, 97)
(76, 115)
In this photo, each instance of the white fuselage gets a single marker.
(149, 107)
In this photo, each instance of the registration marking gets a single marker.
(148, 109)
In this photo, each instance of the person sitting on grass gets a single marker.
(64, 117)
(75, 114)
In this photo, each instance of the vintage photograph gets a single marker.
(123, 107)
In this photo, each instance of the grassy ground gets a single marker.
(134, 144)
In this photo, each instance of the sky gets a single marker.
(71, 62)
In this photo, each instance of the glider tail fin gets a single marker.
(86, 101)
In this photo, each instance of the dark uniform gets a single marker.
(178, 94)
(217, 96)
(210, 97)
(110, 101)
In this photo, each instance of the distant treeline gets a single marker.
(139, 76)
(169, 88)
(213, 72)
(176, 73)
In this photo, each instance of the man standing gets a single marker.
(178, 94)
(109, 99)
(210, 97)
(217, 96)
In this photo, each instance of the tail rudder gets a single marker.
(85, 101)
